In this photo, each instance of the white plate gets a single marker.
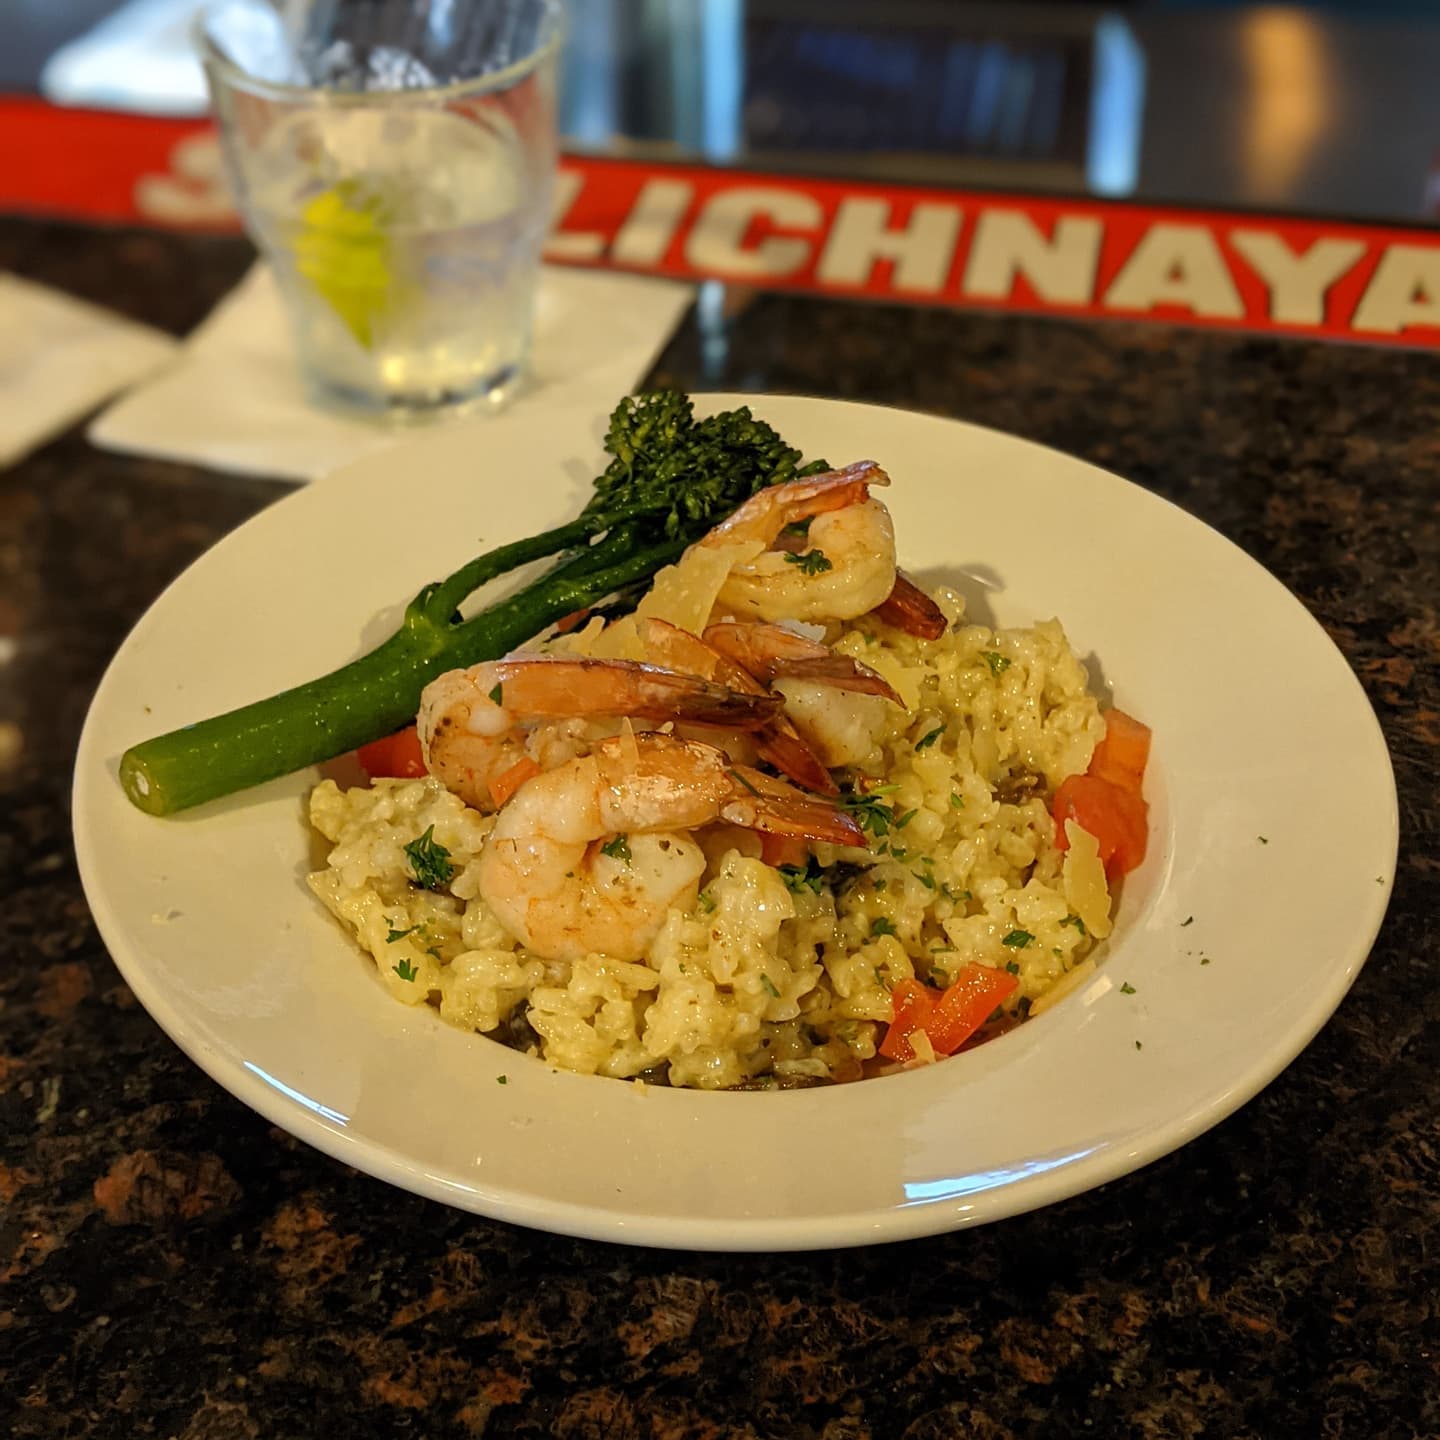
(1260, 729)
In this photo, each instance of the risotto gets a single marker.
(774, 974)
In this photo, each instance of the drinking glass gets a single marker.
(393, 160)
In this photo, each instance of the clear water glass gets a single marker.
(394, 160)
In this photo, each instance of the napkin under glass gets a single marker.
(236, 400)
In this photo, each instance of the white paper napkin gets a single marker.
(235, 401)
(59, 358)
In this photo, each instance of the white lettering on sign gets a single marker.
(1176, 265)
(716, 243)
(570, 244)
(1008, 244)
(861, 235)
(1297, 284)
(652, 222)
(1403, 291)
(193, 191)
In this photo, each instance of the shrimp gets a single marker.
(769, 652)
(910, 609)
(777, 741)
(678, 649)
(592, 856)
(840, 727)
(836, 562)
(833, 703)
(478, 727)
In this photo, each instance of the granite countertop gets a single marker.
(170, 1265)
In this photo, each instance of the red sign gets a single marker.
(935, 247)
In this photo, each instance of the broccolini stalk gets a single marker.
(370, 697)
(672, 478)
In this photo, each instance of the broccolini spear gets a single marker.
(670, 480)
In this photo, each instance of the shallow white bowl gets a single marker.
(1273, 825)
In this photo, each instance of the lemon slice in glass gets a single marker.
(344, 250)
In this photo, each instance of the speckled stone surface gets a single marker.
(172, 1266)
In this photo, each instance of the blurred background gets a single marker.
(1320, 108)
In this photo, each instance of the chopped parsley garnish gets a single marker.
(798, 878)
(957, 802)
(1018, 939)
(1013, 966)
(901, 821)
(799, 527)
(618, 848)
(1204, 959)
(878, 885)
(502, 1079)
(883, 980)
(896, 853)
(769, 984)
(1188, 920)
(958, 897)
(926, 741)
(706, 901)
(882, 926)
(997, 662)
(928, 881)
(405, 970)
(1127, 988)
(811, 562)
(391, 936)
(870, 811)
(1077, 922)
(1264, 840)
(429, 861)
(496, 693)
(1138, 1045)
